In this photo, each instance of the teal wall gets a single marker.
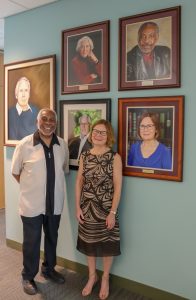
(158, 218)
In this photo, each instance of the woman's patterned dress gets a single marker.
(94, 239)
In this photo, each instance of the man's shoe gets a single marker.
(54, 276)
(29, 287)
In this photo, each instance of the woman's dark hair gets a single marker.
(109, 129)
(155, 120)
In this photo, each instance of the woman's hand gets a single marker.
(93, 76)
(110, 221)
(79, 216)
(93, 58)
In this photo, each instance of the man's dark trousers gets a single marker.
(32, 228)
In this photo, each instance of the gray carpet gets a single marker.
(10, 279)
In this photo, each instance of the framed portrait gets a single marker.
(76, 119)
(85, 59)
(149, 50)
(150, 136)
(29, 87)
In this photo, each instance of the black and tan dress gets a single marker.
(94, 239)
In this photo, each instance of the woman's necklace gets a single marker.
(148, 149)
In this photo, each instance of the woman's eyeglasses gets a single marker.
(102, 133)
(148, 127)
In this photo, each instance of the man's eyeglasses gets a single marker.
(148, 127)
(102, 133)
(84, 124)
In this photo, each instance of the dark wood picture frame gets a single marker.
(139, 70)
(170, 115)
(40, 76)
(71, 111)
(85, 71)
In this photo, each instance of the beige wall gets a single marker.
(2, 201)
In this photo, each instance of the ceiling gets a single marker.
(12, 7)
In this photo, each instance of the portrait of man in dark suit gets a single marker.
(148, 60)
(80, 143)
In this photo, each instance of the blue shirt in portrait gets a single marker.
(21, 125)
(161, 158)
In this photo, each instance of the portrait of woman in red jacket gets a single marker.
(85, 66)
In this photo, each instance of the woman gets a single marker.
(149, 152)
(85, 66)
(98, 189)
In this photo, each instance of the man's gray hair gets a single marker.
(18, 84)
(83, 39)
(46, 109)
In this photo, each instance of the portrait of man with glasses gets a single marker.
(80, 143)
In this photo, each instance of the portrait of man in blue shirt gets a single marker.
(22, 116)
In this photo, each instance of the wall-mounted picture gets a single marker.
(85, 59)
(149, 50)
(29, 87)
(150, 136)
(76, 119)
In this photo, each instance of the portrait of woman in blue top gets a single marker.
(149, 152)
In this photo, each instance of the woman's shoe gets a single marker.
(92, 281)
(104, 291)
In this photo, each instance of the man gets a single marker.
(81, 143)
(148, 61)
(38, 164)
(22, 117)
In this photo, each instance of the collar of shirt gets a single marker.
(82, 142)
(37, 140)
(84, 137)
(19, 109)
(148, 58)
